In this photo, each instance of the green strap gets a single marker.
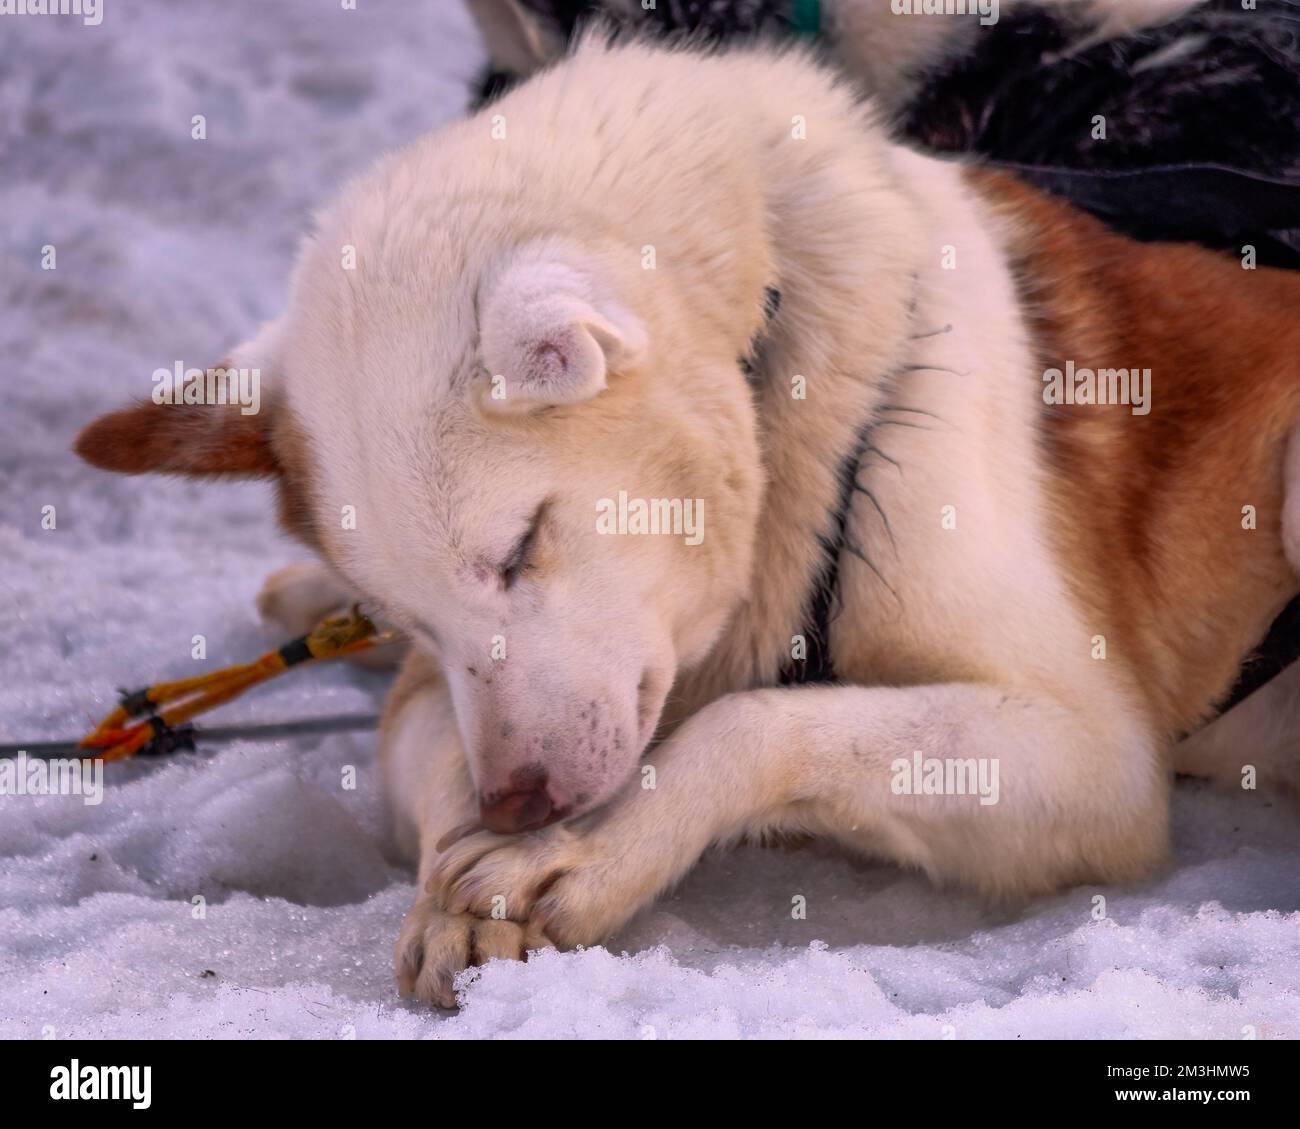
(806, 17)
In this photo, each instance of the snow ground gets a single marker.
(171, 248)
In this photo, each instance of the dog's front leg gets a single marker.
(1034, 799)
(431, 798)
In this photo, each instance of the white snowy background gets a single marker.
(170, 248)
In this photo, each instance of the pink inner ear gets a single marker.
(547, 355)
(547, 362)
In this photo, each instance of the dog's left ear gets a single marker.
(550, 335)
(194, 439)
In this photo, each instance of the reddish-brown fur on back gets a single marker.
(1149, 509)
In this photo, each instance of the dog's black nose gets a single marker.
(527, 807)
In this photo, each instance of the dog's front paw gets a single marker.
(434, 946)
(562, 885)
(580, 883)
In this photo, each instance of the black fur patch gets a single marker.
(1211, 98)
(818, 665)
(1228, 94)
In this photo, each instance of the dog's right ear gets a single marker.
(194, 439)
(549, 334)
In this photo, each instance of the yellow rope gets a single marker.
(171, 703)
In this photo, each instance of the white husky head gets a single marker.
(476, 419)
(449, 422)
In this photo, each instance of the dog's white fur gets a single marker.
(964, 643)
(597, 248)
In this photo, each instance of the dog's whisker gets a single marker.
(859, 488)
(933, 368)
(932, 333)
(888, 458)
(910, 411)
(903, 423)
(456, 834)
(857, 552)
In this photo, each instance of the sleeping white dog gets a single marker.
(949, 607)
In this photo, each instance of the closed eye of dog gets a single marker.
(519, 561)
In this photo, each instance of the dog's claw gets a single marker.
(435, 946)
